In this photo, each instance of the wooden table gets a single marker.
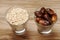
(32, 33)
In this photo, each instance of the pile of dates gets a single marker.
(45, 16)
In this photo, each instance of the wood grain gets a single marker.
(32, 33)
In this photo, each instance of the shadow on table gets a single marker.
(52, 36)
(37, 36)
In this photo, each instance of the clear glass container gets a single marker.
(20, 28)
(44, 29)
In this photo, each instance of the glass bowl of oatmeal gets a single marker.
(17, 17)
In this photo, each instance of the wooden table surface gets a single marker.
(32, 33)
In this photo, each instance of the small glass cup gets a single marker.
(20, 28)
(42, 28)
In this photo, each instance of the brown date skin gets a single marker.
(42, 11)
(54, 17)
(50, 11)
(44, 22)
(37, 14)
(45, 16)
(37, 19)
